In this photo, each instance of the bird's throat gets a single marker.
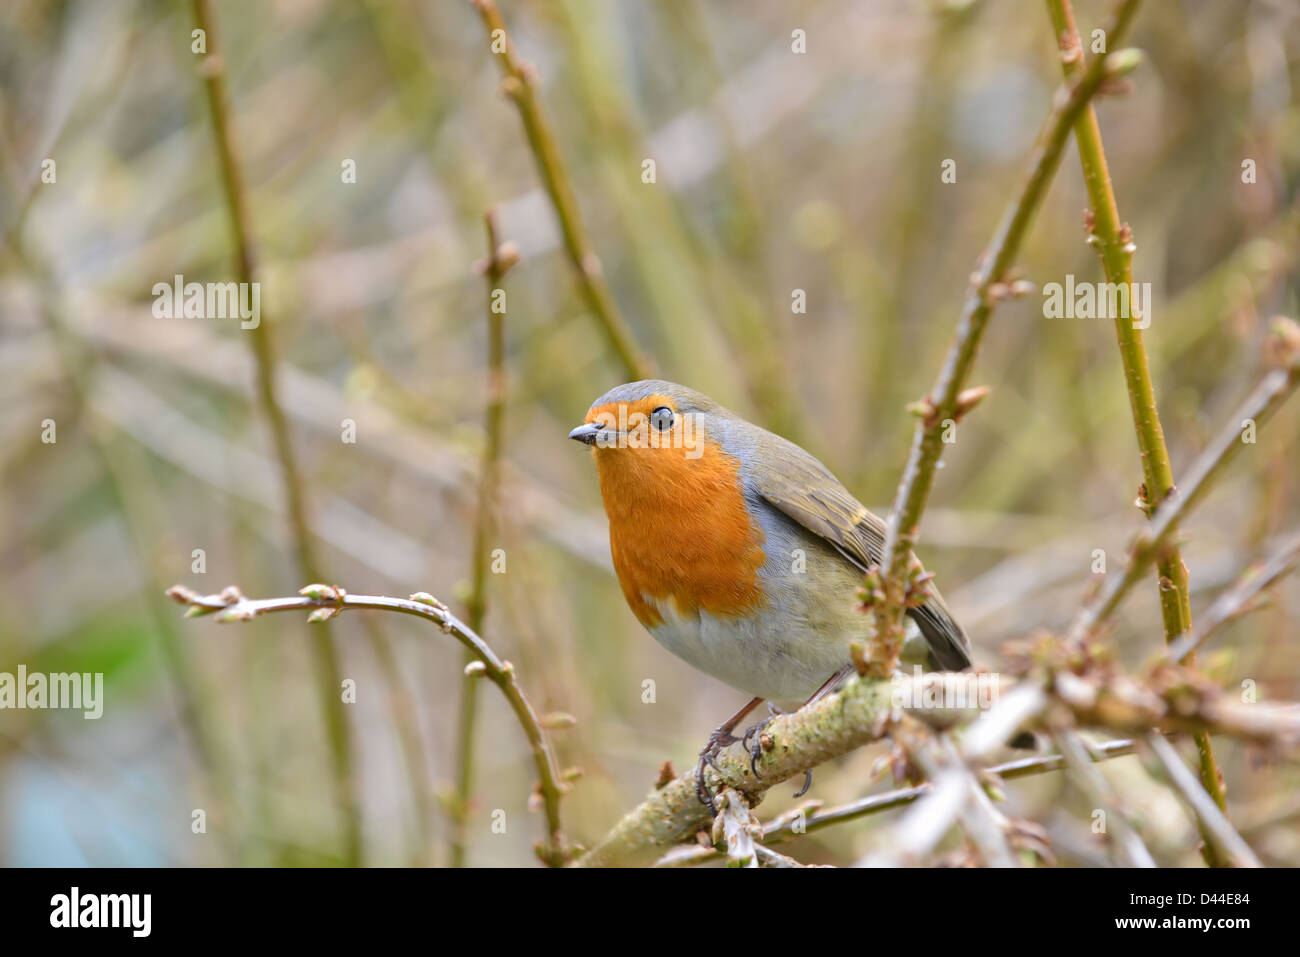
(680, 532)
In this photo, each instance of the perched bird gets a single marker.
(739, 551)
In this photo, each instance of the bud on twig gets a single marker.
(1123, 62)
(321, 592)
(424, 598)
(968, 399)
(1283, 346)
(557, 721)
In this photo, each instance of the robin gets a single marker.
(740, 552)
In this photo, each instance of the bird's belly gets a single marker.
(759, 654)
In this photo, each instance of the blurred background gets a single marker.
(775, 171)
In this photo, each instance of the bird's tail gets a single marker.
(948, 644)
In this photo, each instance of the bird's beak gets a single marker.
(586, 433)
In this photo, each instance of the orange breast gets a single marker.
(679, 531)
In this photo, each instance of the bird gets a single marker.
(741, 553)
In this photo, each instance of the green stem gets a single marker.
(988, 287)
(1159, 536)
(1114, 242)
(520, 86)
(485, 524)
(324, 655)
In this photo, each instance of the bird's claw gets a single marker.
(719, 740)
(755, 746)
(807, 783)
(753, 742)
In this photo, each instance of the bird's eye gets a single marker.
(662, 418)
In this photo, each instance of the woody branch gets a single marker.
(326, 601)
(1087, 689)
(1077, 693)
(519, 84)
(949, 399)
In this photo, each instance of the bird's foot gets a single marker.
(753, 743)
(719, 740)
(756, 742)
(753, 739)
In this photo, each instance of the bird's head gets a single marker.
(655, 418)
(654, 439)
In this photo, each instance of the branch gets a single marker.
(856, 715)
(949, 399)
(324, 655)
(1155, 541)
(958, 795)
(1114, 241)
(1091, 692)
(984, 825)
(327, 601)
(1239, 599)
(501, 256)
(1174, 699)
(735, 827)
(520, 84)
(924, 826)
(771, 858)
(1229, 845)
(1095, 787)
(809, 817)
(1081, 692)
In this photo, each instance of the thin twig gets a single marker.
(958, 795)
(324, 655)
(327, 601)
(499, 260)
(924, 826)
(771, 858)
(1154, 541)
(983, 823)
(1214, 823)
(1114, 241)
(520, 84)
(1127, 841)
(1240, 598)
(948, 400)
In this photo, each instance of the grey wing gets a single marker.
(805, 490)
